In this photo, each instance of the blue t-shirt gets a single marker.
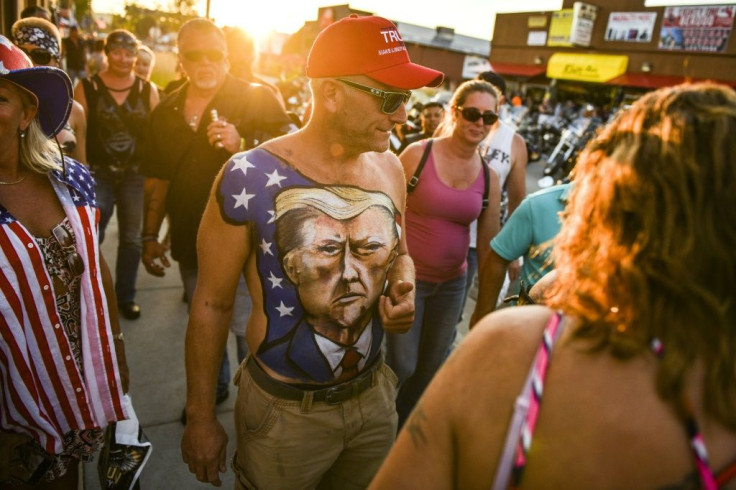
(529, 232)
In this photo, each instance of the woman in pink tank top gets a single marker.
(632, 382)
(454, 189)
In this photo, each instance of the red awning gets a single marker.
(647, 80)
(518, 69)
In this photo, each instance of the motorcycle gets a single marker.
(562, 159)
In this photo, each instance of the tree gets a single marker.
(82, 8)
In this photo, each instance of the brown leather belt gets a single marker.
(332, 395)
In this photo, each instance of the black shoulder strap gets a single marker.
(486, 176)
(411, 185)
(90, 91)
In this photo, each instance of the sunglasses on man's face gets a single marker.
(472, 114)
(73, 259)
(391, 100)
(39, 56)
(197, 55)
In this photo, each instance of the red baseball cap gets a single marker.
(369, 46)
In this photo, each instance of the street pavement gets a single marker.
(154, 347)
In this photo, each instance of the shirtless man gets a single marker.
(316, 401)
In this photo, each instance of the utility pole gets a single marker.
(207, 12)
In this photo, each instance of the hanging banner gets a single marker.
(631, 27)
(583, 19)
(560, 27)
(704, 29)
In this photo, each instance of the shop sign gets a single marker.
(536, 38)
(560, 28)
(473, 65)
(631, 27)
(586, 67)
(704, 28)
(536, 21)
(583, 19)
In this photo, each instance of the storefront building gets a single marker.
(611, 50)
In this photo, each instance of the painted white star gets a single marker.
(275, 281)
(71, 171)
(266, 247)
(272, 218)
(284, 310)
(242, 164)
(8, 219)
(242, 199)
(274, 178)
(76, 198)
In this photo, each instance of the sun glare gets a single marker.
(261, 18)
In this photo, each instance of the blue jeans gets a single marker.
(416, 355)
(124, 189)
(241, 312)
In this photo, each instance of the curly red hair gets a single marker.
(648, 243)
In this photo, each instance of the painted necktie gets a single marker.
(349, 364)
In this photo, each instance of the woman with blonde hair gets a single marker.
(628, 380)
(62, 361)
(450, 186)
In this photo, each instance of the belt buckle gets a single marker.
(338, 394)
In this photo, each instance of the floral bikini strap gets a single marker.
(697, 445)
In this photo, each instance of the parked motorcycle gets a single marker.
(541, 133)
(562, 159)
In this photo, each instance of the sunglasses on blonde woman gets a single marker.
(73, 259)
(472, 114)
(39, 56)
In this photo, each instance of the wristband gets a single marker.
(149, 238)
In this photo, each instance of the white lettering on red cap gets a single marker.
(390, 36)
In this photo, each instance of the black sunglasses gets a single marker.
(391, 100)
(472, 114)
(73, 259)
(39, 56)
(197, 55)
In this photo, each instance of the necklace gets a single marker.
(124, 89)
(2, 182)
(193, 121)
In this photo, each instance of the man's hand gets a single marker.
(204, 449)
(222, 134)
(397, 307)
(153, 250)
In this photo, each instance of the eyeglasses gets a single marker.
(39, 56)
(197, 55)
(73, 259)
(391, 100)
(472, 114)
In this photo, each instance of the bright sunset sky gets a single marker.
(470, 17)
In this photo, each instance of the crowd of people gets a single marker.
(343, 269)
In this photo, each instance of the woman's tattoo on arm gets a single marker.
(415, 426)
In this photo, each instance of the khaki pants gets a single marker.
(283, 445)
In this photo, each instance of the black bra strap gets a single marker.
(415, 178)
(487, 177)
